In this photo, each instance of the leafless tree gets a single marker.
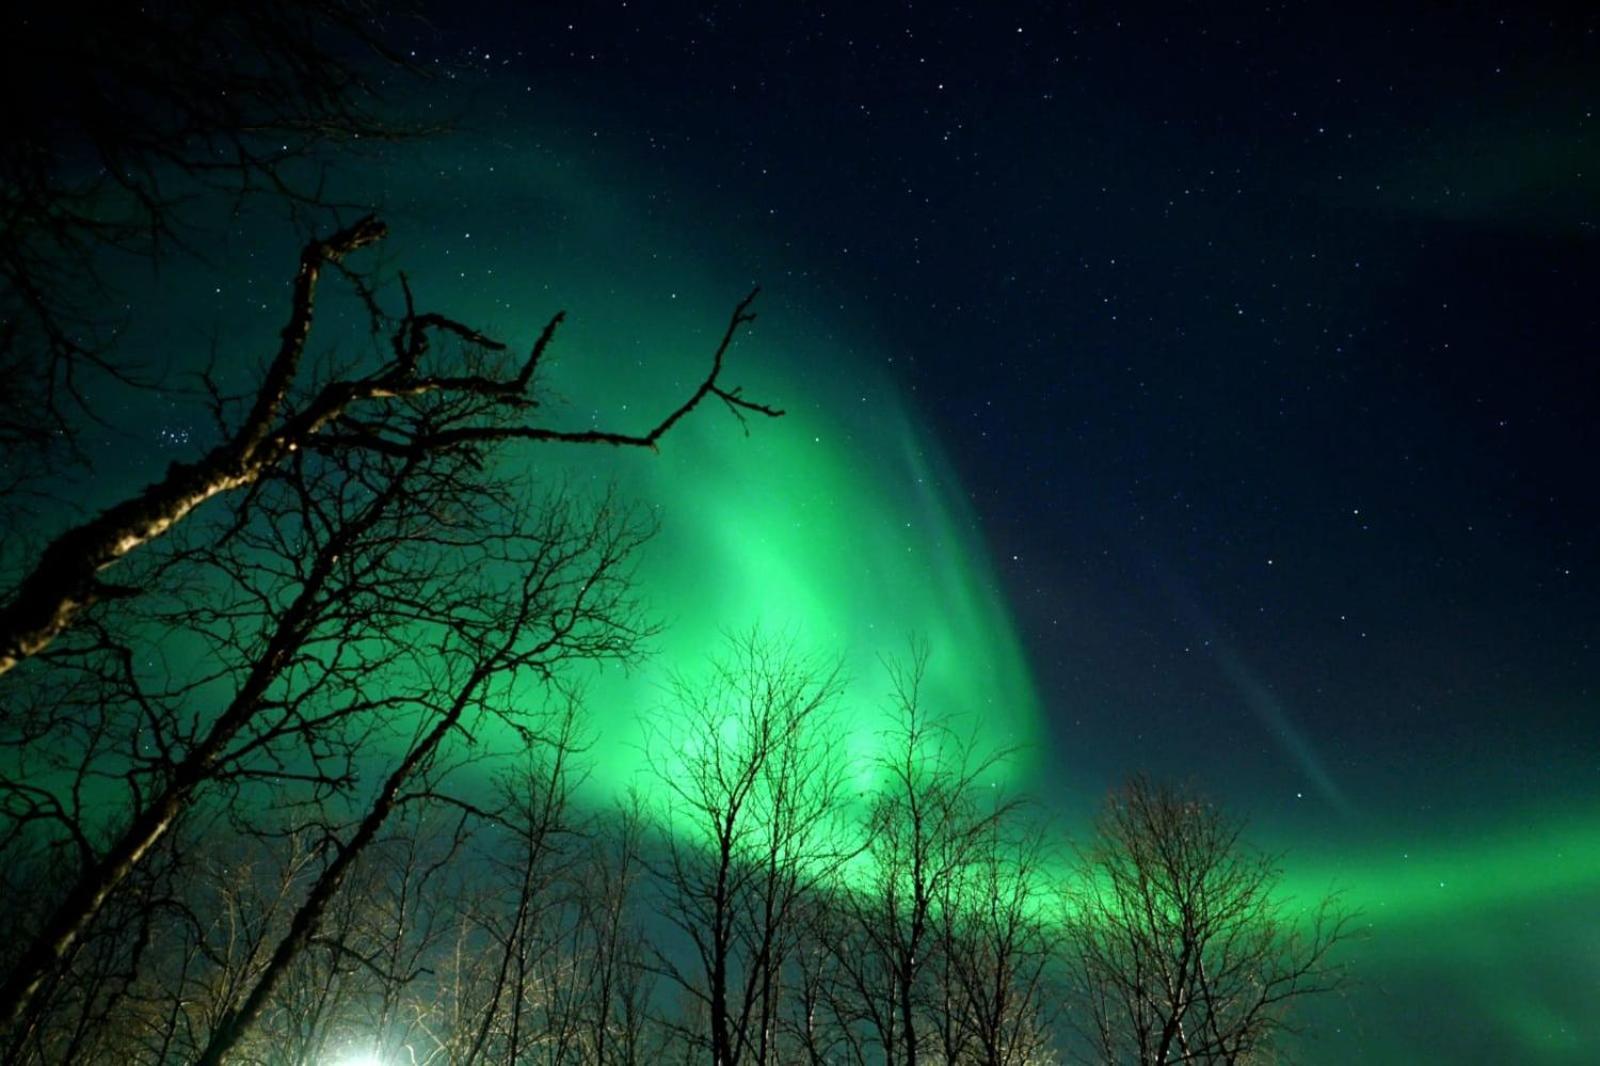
(528, 998)
(589, 997)
(934, 812)
(548, 588)
(997, 927)
(361, 493)
(345, 572)
(618, 979)
(407, 915)
(748, 762)
(198, 947)
(355, 982)
(90, 1005)
(547, 964)
(1182, 949)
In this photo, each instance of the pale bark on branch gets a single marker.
(344, 413)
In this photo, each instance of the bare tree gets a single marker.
(930, 821)
(92, 1003)
(1182, 950)
(618, 979)
(749, 765)
(355, 982)
(203, 942)
(547, 964)
(528, 997)
(501, 613)
(998, 924)
(406, 915)
(306, 563)
(345, 483)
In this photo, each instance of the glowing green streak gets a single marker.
(1474, 929)
(839, 531)
(838, 525)
(1543, 858)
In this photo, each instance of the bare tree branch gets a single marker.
(1181, 949)
(66, 579)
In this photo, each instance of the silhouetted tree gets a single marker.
(529, 995)
(1182, 949)
(344, 565)
(932, 817)
(364, 411)
(999, 926)
(748, 762)
(510, 599)
(365, 516)
(619, 979)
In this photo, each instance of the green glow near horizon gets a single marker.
(1494, 931)
(1539, 857)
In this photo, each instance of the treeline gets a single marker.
(734, 913)
(760, 900)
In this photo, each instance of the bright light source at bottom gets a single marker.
(358, 1058)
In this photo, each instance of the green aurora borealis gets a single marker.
(839, 526)
(1210, 391)
(842, 525)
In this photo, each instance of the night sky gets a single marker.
(1218, 394)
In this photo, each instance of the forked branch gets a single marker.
(355, 412)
